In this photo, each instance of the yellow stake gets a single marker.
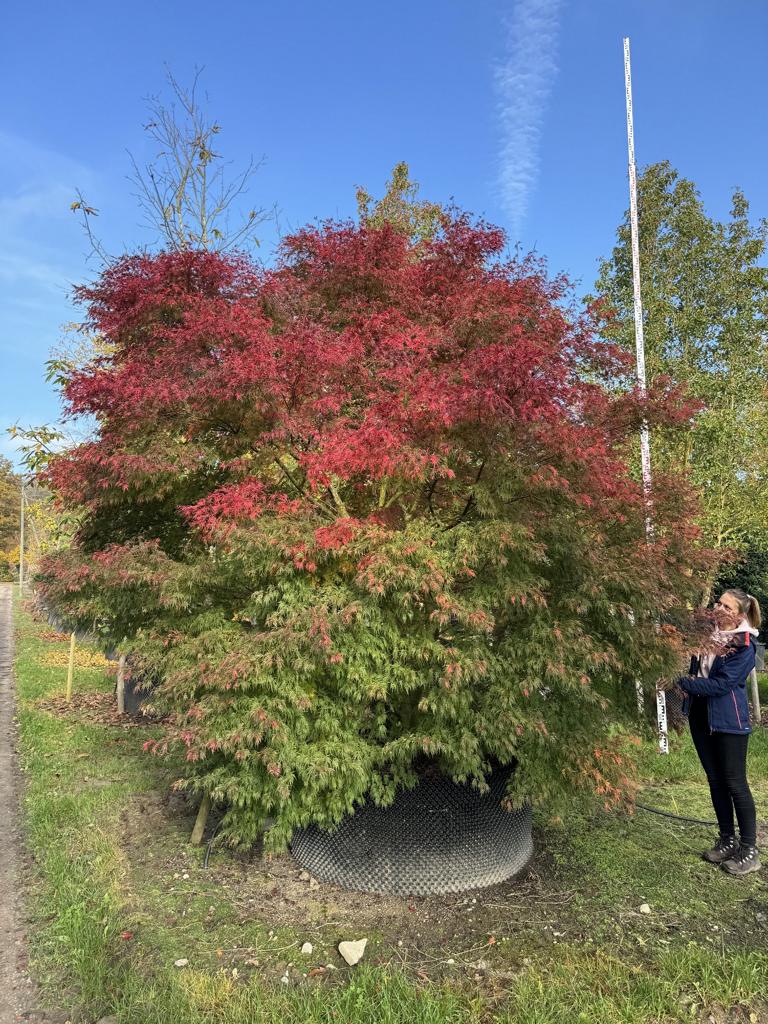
(71, 669)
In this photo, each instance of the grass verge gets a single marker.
(118, 897)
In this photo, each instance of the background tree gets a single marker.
(10, 484)
(39, 527)
(50, 525)
(400, 206)
(367, 511)
(186, 191)
(10, 505)
(187, 194)
(705, 297)
(749, 571)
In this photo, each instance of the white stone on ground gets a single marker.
(352, 952)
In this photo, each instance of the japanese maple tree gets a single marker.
(371, 510)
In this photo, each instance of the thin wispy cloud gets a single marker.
(46, 200)
(524, 83)
(38, 261)
(41, 247)
(30, 157)
(31, 275)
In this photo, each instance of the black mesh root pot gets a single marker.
(440, 837)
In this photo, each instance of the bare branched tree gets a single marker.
(185, 191)
(87, 213)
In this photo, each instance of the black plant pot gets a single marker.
(138, 690)
(56, 622)
(439, 837)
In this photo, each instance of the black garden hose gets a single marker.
(209, 845)
(676, 817)
(680, 817)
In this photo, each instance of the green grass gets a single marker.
(110, 917)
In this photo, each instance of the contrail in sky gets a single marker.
(524, 82)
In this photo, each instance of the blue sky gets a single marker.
(515, 110)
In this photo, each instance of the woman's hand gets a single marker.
(679, 685)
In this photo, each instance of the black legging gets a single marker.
(723, 756)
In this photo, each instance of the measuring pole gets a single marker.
(645, 443)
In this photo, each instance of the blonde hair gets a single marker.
(748, 606)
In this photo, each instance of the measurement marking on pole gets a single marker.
(661, 716)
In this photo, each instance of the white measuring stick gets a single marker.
(645, 446)
(661, 718)
(645, 443)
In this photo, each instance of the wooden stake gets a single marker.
(755, 696)
(202, 817)
(71, 668)
(121, 685)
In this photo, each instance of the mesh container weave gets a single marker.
(439, 837)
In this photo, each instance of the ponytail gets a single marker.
(753, 612)
(748, 606)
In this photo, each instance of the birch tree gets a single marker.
(705, 298)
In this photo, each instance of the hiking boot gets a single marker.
(743, 862)
(725, 848)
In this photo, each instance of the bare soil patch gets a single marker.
(436, 934)
(93, 708)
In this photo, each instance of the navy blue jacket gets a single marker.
(726, 686)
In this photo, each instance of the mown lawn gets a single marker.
(118, 897)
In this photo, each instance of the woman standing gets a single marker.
(718, 713)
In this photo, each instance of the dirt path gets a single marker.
(15, 988)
